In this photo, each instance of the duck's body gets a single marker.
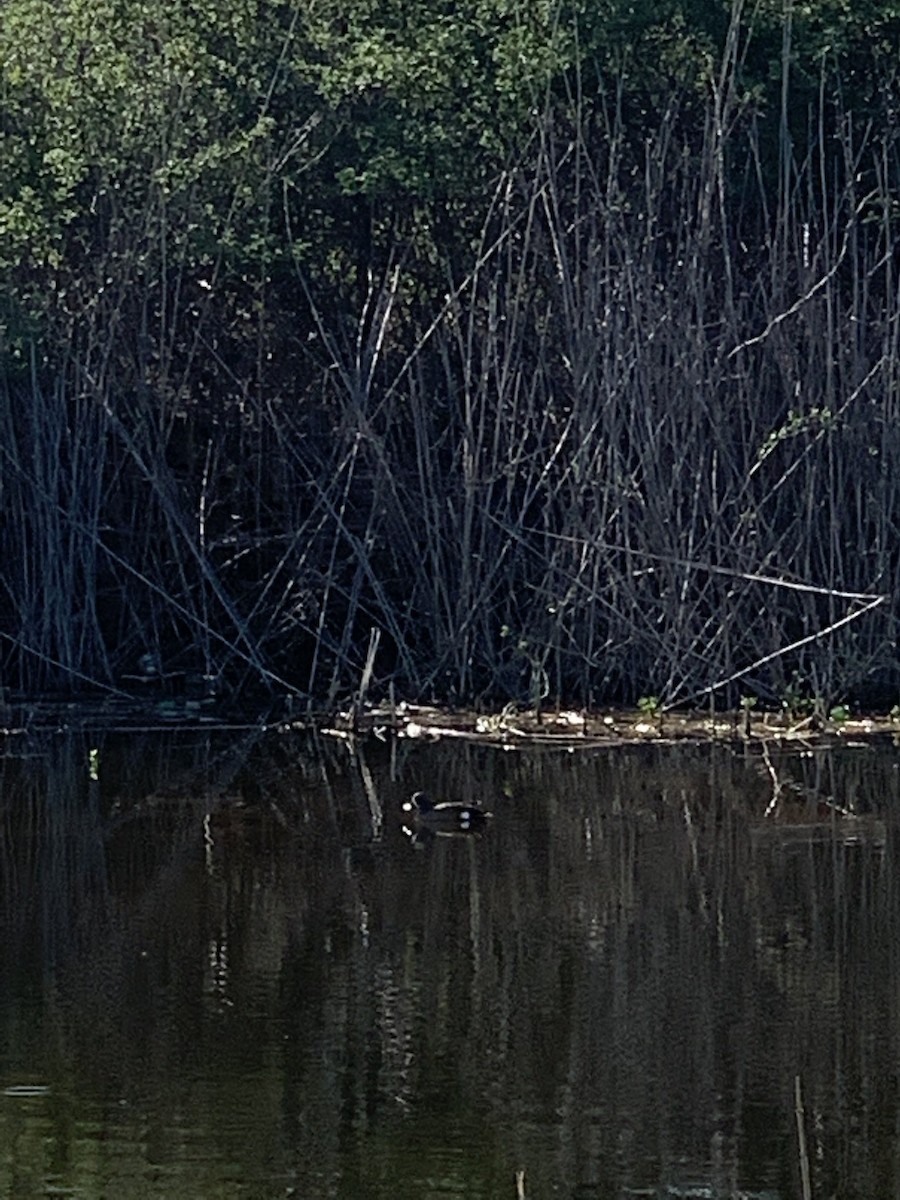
(450, 815)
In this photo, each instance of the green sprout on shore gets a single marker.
(747, 703)
(795, 701)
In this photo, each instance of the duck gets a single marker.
(452, 816)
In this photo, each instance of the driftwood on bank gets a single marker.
(574, 729)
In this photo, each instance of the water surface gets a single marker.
(226, 971)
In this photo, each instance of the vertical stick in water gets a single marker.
(801, 1141)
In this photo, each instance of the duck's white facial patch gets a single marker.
(407, 806)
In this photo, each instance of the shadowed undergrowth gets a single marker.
(635, 437)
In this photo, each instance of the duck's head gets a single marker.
(418, 803)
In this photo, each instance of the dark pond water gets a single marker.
(225, 971)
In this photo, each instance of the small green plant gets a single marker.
(535, 658)
(839, 714)
(815, 421)
(747, 703)
(795, 700)
(648, 706)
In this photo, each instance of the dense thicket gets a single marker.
(555, 342)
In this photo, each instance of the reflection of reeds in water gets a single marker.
(618, 976)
